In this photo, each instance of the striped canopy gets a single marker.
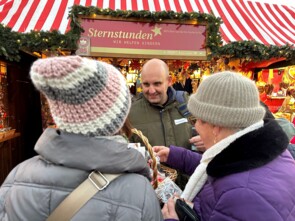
(266, 23)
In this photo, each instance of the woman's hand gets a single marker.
(198, 142)
(168, 210)
(162, 152)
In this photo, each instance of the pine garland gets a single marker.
(39, 41)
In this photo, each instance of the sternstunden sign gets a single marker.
(134, 39)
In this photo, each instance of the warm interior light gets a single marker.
(131, 77)
(2, 68)
(196, 74)
(37, 54)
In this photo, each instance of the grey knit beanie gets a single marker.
(227, 99)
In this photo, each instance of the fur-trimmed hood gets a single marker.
(250, 151)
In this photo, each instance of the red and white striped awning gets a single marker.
(243, 20)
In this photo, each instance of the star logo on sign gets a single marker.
(157, 31)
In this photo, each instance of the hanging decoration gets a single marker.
(186, 65)
(194, 66)
(177, 64)
(135, 64)
(124, 62)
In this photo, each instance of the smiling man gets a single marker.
(155, 81)
(160, 112)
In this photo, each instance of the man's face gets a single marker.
(155, 84)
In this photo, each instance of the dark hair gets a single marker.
(284, 85)
(290, 91)
(268, 88)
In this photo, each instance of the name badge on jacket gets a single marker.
(180, 121)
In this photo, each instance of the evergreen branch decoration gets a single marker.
(37, 41)
(9, 44)
(255, 51)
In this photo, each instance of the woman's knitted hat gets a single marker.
(85, 96)
(227, 99)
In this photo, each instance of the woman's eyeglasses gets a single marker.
(192, 120)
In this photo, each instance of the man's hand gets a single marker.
(198, 142)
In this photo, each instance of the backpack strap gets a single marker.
(95, 182)
(182, 99)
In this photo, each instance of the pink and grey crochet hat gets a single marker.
(85, 96)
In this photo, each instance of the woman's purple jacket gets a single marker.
(253, 179)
